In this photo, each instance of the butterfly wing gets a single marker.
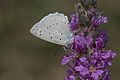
(53, 28)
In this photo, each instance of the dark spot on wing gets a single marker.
(60, 39)
(47, 28)
(33, 29)
(51, 37)
(56, 23)
(49, 33)
(40, 34)
(40, 31)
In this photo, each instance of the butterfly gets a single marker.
(53, 28)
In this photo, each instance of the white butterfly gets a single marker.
(53, 28)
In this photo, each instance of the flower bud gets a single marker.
(94, 2)
(85, 3)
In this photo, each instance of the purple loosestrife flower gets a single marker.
(88, 70)
(89, 59)
(74, 22)
(97, 21)
(101, 39)
(82, 43)
(94, 68)
(66, 59)
(71, 77)
(102, 59)
(107, 75)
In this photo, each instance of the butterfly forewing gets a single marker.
(53, 28)
(56, 22)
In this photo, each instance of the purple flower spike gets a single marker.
(89, 59)
(74, 22)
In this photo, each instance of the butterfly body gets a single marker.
(53, 28)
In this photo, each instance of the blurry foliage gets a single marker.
(25, 57)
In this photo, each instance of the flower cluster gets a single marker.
(89, 59)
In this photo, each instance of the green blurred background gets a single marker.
(25, 57)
